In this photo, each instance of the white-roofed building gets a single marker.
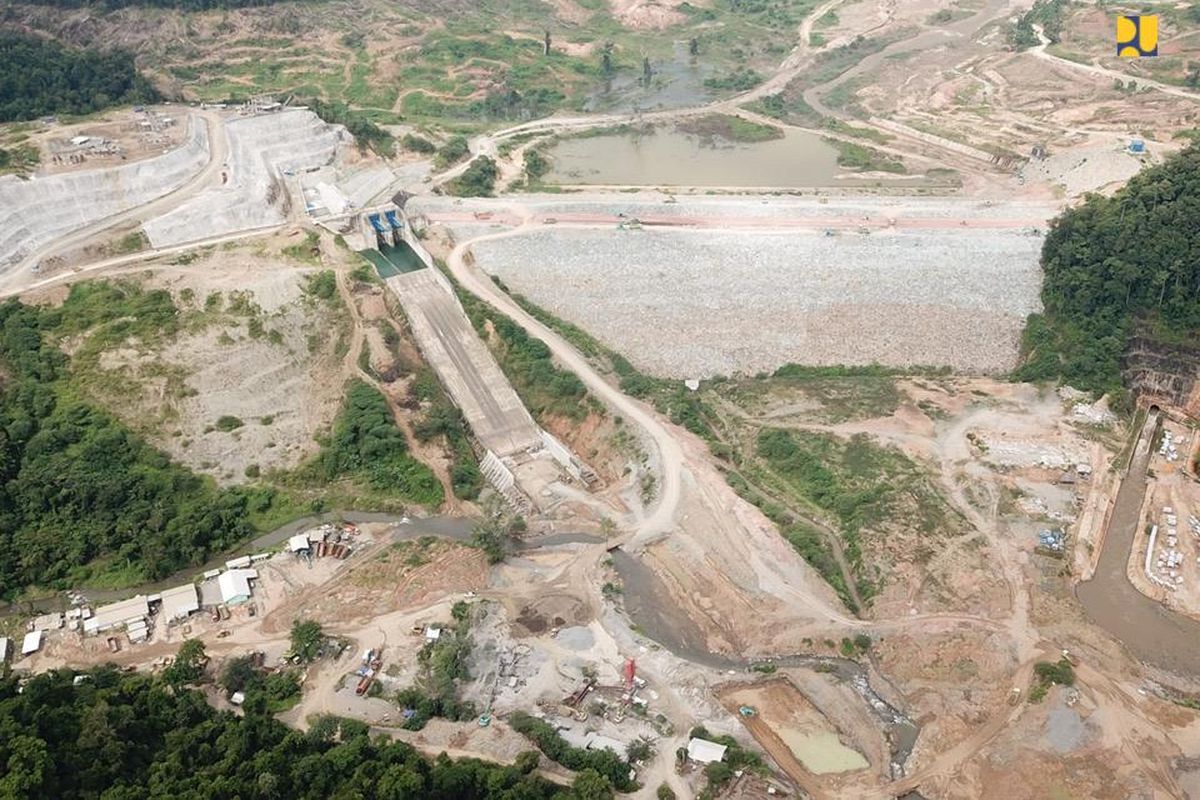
(179, 602)
(299, 543)
(32, 643)
(705, 752)
(116, 615)
(5, 647)
(235, 585)
(48, 622)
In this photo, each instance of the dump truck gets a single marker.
(373, 660)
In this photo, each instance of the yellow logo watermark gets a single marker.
(1137, 37)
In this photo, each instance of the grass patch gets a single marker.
(865, 488)
(307, 251)
(861, 158)
(729, 128)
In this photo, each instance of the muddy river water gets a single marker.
(1149, 631)
(654, 612)
(668, 157)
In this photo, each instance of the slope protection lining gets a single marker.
(687, 303)
(33, 212)
(261, 150)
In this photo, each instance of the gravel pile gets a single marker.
(576, 638)
(1085, 169)
(700, 303)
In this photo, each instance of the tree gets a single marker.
(39, 76)
(591, 785)
(124, 737)
(1115, 268)
(479, 179)
(189, 664)
(546, 45)
(606, 62)
(27, 764)
(694, 47)
(307, 638)
(237, 674)
(528, 761)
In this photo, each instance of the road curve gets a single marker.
(218, 152)
(662, 520)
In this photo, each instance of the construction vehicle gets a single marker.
(571, 703)
(1070, 658)
(372, 662)
(1014, 695)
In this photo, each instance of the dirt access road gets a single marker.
(789, 69)
(212, 174)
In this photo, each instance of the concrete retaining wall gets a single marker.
(261, 150)
(33, 212)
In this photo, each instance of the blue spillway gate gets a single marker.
(392, 220)
(377, 223)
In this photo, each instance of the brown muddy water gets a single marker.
(668, 157)
(1150, 632)
(652, 610)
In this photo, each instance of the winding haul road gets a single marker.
(211, 174)
(672, 459)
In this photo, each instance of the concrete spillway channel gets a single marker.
(465, 366)
(480, 389)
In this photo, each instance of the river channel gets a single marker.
(1151, 633)
(654, 612)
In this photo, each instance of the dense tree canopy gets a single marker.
(366, 443)
(39, 77)
(132, 737)
(75, 484)
(1115, 266)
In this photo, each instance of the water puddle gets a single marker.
(675, 83)
(655, 614)
(667, 157)
(393, 260)
(822, 753)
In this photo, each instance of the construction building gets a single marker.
(702, 751)
(117, 615)
(235, 586)
(180, 602)
(32, 643)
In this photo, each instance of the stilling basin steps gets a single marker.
(477, 385)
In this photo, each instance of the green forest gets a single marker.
(1115, 267)
(366, 443)
(125, 737)
(40, 77)
(84, 499)
(76, 486)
